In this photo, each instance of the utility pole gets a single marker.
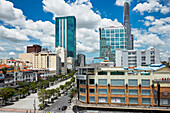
(34, 106)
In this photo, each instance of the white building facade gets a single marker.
(135, 58)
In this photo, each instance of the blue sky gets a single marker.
(28, 22)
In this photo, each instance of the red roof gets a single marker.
(13, 60)
(3, 65)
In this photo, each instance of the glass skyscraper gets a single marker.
(112, 38)
(65, 34)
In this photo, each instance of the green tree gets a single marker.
(7, 93)
(33, 86)
(42, 96)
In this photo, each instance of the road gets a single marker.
(54, 108)
(27, 103)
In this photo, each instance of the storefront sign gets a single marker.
(81, 77)
(165, 79)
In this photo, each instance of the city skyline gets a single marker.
(31, 22)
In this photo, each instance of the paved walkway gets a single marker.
(27, 103)
(12, 110)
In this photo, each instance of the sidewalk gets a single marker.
(12, 110)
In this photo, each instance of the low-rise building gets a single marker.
(135, 58)
(70, 63)
(47, 61)
(139, 86)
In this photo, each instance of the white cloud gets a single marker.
(22, 28)
(145, 38)
(88, 21)
(151, 6)
(161, 26)
(81, 9)
(8, 13)
(2, 49)
(151, 18)
(147, 23)
(121, 2)
(12, 35)
(108, 22)
(12, 53)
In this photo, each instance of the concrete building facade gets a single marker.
(34, 49)
(47, 60)
(135, 58)
(61, 52)
(81, 60)
(108, 85)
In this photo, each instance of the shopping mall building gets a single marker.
(149, 86)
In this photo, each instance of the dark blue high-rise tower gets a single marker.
(65, 34)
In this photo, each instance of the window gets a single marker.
(102, 73)
(91, 81)
(112, 30)
(117, 99)
(107, 35)
(118, 91)
(102, 81)
(112, 39)
(107, 39)
(102, 99)
(116, 30)
(62, 64)
(117, 73)
(133, 92)
(133, 100)
(155, 101)
(117, 39)
(116, 35)
(121, 30)
(155, 92)
(121, 35)
(107, 30)
(91, 99)
(103, 31)
(117, 82)
(145, 92)
(145, 82)
(102, 91)
(164, 101)
(103, 36)
(82, 82)
(82, 90)
(146, 101)
(122, 43)
(112, 35)
(133, 82)
(91, 91)
(82, 98)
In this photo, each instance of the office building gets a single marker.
(112, 38)
(61, 52)
(70, 63)
(65, 34)
(47, 61)
(118, 86)
(126, 23)
(26, 57)
(34, 49)
(135, 58)
(81, 60)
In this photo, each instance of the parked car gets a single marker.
(64, 107)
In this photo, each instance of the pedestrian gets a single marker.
(59, 109)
